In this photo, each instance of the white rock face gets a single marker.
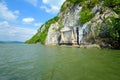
(70, 20)
(53, 35)
(83, 31)
(71, 16)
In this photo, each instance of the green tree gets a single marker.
(92, 3)
(75, 1)
(114, 30)
(85, 16)
(114, 24)
(111, 3)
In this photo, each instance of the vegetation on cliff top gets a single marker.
(40, 36)
(113, 25)
(75, 1)
(112, 31)
(85, 16)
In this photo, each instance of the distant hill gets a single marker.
(11, 42)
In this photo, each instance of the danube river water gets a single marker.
(38, 62)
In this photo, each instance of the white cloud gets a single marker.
(38, 24)
(45, 1)
(4, 24)
(52, 6)
(15, 33)
(16, 12)
(52, 9)
(28, 20)
(7, 14)
(33, 2)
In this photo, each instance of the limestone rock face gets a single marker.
(88, 30)
(71, 16)
(69, 19)
(66, 28)
(53, 35)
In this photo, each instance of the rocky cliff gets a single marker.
(83, 22)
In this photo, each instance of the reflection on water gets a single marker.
(38, 62)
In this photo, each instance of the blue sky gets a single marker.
(20, 19)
